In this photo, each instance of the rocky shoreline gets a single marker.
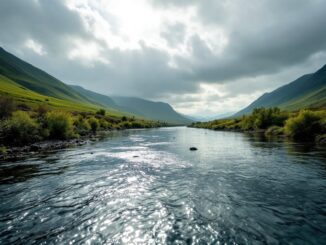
(18, 153)
(22, 152)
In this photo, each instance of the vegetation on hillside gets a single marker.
(36, 80)
(21, 125)
(308, 91)
(306, 125)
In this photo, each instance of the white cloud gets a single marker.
(35, 46)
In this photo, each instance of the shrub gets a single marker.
(3, 150)
(7, 107)
(60, 125)
(94, 123)
(42, 110)
(306, 125)
(125, 125)
(101, 112)
(136, 124)
(274, 131)
(82, 126)
(20, 129)
(262, 118)
(104, 124)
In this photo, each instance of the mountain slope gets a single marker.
(36, 80)
(308, 91)
(136, 106)
(96, 98)
(23, 95)
(149, 109)
(29, 85)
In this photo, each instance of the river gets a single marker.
(146, 187)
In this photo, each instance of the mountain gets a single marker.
(96, 98)
(136, 106)
(308, 91)
(149, 109)
(210, 118)
(30, 85)
(35, 79)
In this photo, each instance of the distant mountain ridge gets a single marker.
(145, 108)
(155, 110)
(96, 98)
(308, 91)
(210, 118)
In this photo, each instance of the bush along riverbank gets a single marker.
(24, 130)
(305, 125)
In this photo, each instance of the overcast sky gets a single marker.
(204, 57)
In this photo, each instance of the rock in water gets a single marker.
(193, 149)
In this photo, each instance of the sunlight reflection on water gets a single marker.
(146, 187)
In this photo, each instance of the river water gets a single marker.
(146, 187)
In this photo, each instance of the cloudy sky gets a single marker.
(204, 57)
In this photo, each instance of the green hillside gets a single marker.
(31, 98)
(308, 91)
(35, 79)
(96, 98)
(29, 85)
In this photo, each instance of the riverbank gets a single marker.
(25, 130)
(305, 125)
(22, 152)
(16, 153)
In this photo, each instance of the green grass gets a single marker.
(315, 99)
(23, 95)
(35, 79)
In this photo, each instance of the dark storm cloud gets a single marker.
(48, 22)
(263, 37)
(174, 34)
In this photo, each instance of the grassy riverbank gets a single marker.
(22, 125)
(304, 125)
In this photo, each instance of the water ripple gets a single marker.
(146, 187)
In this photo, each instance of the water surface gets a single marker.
(146, 187)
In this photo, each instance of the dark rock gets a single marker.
(193, 149)
(35, 148)
(321, 139)
(136, 156)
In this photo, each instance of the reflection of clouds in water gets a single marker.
(129, 148)
(157, 143)
(148, 156)
(136, 138)
(142, 154)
